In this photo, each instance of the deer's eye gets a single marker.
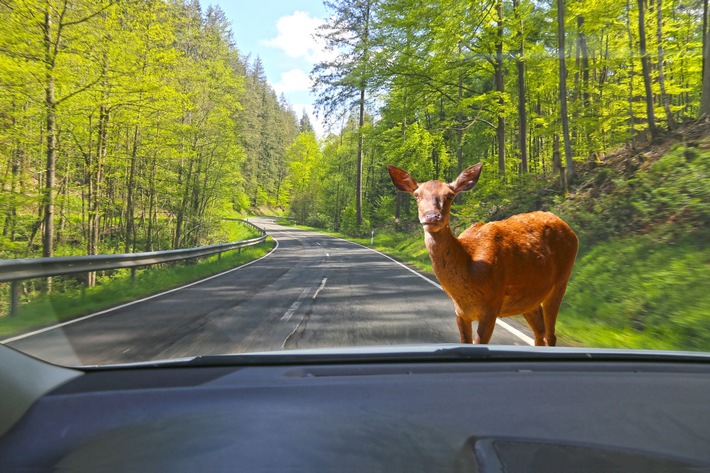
(450, 197)
(417, 197)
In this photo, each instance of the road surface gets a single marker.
(312, 291)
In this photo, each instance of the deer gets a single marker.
(520, 265)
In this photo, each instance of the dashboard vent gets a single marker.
(518, 456)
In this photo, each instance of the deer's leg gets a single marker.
(465, 329)
(484, 331)
(550, 308)
(537, 324)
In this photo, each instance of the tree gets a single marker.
(522, 92)
(661, 76)
(344, 81)
(304, 124)
(500, 88)
(305, 175)
(646, 69)
(130, 125)
(59, 18)
(564, 113)
(705, 97)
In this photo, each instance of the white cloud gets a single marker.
(294, 80)
(296, 36)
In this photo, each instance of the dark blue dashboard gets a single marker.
(508, 414)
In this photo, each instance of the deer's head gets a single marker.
(434, 198)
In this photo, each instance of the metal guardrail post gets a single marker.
(14, 297)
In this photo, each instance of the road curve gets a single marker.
(313, 290)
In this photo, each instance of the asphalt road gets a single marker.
(312, 291)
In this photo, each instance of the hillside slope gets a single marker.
(642, 276)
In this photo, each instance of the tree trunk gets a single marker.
(361, 121)
(500, 88)
(632, 116)
(522, 112)
(661, 79)
(358, 178)
(130, 230)
(646, 70)
(460, 121)
(51, 130)
(584, 50)
(571, 174)
(705, 98)
(152, 218)
(705, 37)
(557, 164)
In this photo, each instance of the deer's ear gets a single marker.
(467, 179)
(401, 179)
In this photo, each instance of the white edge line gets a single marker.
(128, 304)
(499, 322)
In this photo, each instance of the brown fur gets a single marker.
(516, 266)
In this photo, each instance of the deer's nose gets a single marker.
(431, 216)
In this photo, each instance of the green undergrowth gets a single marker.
(640, 292)
(119, 287)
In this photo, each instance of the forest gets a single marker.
(529, 88)
(132, 125)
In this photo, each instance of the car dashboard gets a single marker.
(434, 408)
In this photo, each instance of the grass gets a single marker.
(640, 292)
(45, 310)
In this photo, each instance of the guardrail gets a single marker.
(16, 270)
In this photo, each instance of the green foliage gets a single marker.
(439, 110)
(349, 223)
(304, 157)
(669, 196)
(161, 127)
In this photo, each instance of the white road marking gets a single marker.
(296, 304)
(322, 285)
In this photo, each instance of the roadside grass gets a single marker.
(118, 288)
(640, 292)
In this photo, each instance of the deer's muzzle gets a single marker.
(430, 217)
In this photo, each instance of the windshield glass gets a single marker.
(182, 178)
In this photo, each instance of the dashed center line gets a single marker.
(297, 303)
(322, 285)
(294, 307)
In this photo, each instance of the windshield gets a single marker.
(181, 178)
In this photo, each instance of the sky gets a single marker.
(280, 32)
